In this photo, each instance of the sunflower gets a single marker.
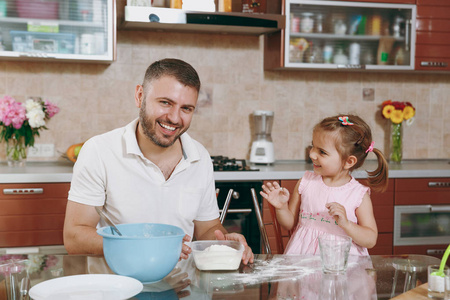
(396, 116)
(387, 111)
(408, 112)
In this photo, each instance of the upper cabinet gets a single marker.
(234, 21)
(433, 35)
(344, 35)
(58, 30)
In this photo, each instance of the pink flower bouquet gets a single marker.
(21, 122)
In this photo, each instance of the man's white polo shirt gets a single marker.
(112, 171)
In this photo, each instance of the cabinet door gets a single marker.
(349, 35)
(81, 30)
(32, 214)
(433, 35)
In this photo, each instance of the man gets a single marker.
(150, 170)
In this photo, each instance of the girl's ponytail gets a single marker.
(378, 179)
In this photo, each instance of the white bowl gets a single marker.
(217, 255)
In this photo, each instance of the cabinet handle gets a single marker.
(435, 251)
(407, 25)
(433, 184)
(24, 191)
(351, 66)
(440, 64)
(238, 211)
(440, 208)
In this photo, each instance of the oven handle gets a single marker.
(440, 208)
(238, 211)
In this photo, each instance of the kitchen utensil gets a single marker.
(442, 265)
(146, 251)
(262, 146)
(108, 221)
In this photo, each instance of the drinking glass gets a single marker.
(436, 283)
(334, 250)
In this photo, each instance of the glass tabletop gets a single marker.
(269, 277)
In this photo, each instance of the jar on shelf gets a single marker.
(295, 24)
(340, 58)
(319, 23)
(327, 54)
(340, 27)
(355, 52)
(307, 22)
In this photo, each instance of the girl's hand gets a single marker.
(338, 212)
(276, 195)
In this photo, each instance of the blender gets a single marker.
(262, 146)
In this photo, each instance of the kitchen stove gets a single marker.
(223, 163)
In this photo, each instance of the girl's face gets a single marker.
(324, 155)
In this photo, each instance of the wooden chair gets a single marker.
(277, 227)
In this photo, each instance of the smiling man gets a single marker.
(149, 171)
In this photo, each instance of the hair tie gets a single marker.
(370, 149)
(345, 121)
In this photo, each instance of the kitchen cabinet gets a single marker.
(422, 216)
(32, 214)
(58, 30)
(335, 35)
(433, 35)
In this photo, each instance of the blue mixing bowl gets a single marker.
(145, 251)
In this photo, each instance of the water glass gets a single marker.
(334, 250)
(333, 287)
(436, 283)
(14, 280)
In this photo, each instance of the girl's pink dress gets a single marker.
(314, 219)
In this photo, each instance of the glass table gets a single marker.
(269, 277)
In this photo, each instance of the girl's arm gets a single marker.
(365, 232)
(287, 208)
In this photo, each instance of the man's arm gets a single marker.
(80, 233)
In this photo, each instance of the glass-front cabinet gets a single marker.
(349, 35)
(71, 30)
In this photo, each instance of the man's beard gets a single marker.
(148, 126)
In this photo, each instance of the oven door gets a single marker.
(421, 225)
(241, 217)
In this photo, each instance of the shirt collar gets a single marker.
(190, 151)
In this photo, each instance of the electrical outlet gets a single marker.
(368, 94)
(41, 150)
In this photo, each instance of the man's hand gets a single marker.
(247, 256)
(185, 249)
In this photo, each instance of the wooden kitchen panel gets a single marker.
(432, 2)
(434, 51)
(31, 238)
(36, 222)
(435, 38)
(432, 25)
(32, 207)
(434, 11)
(422, 191)
(384, 245)
(384, 1)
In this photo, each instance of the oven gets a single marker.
(422, 226)
(240, 216)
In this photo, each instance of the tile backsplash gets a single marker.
(95, 98)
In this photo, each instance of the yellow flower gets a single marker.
(387, 111)
(397, 116)
(408, 112)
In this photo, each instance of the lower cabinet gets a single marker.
(32, 214)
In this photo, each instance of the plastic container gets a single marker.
(26, 41)
(217, 255)
(37, 9)
(145, 251)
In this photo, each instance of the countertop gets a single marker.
(269, 277)
(61, 171)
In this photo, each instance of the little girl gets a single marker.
(330, 200)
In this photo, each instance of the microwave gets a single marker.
(421, 225)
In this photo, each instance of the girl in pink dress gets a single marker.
(330, 200)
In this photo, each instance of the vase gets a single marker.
(16, 152)
(396, 143)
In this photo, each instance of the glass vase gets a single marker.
(16, 152)
(396, 143)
